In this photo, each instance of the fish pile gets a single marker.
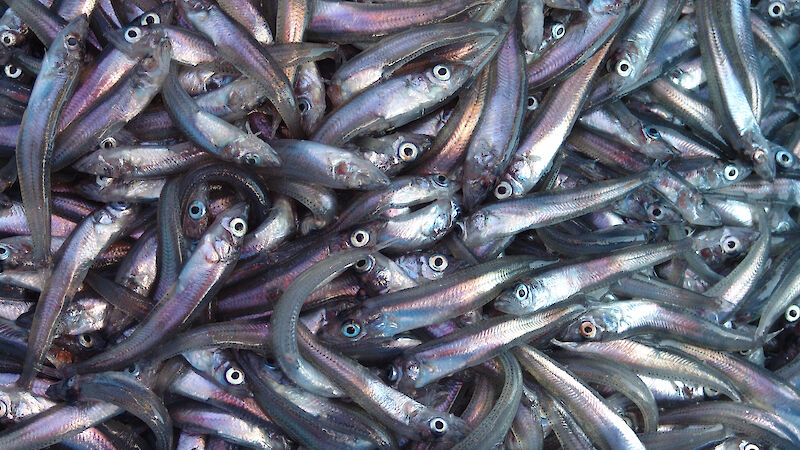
(418, 224)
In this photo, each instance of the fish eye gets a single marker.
(251, 159)
(623, 68)
(688, 230)
(408, 151)
(438, 262)
(749, 446)
(792, 313)
(731, 172)
(304, 105)
(133, 34)
(652, 132)
(588, 330)
(133, 369)
(441, 180)
(784, 158)
(86, 341)
(8, 39)
(3, 409)
(102, 181)
(392, 374)
(776, 10)
(197, 210)
(238, 227)
(234, 376)
(359, 238)
(441, 72)
(109, 142)
(12, 71)
(351, 329)
(521, 291)
(760, 156)
(655, 212)
(730, 244)
(503, 190)
(438, 426)
(72, 42)
(533, 103)
(365, 264)
(558, 30)
(150, 19)
(270, 363)
(710, 392)
(5, 251)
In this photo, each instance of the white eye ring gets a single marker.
(558, 30)
(438, 262)
(238, 227)
(5, 252)
(532, 103)
(503, 190)
(784, 158)
(441, 72)
(731, 172)
(365, 264)
(109, 142)
(776, 10)
(133, 34)
(438, 426)
(359, 238)
(12, 71)
(521, 291)
(730, 244)
(408, 151)
(792, 313)
(8, 39)
(197, 210)
(86, 341)
(150, 19)
(234, 376)
(623, 68)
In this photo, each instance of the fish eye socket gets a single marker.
(359, 238)
(3, 409)
(8, 39)
(4, 252)
(731, 172)
(12, 71)
(251, 159)
(109, 142)
(408, 151)
(655, 212)
(365, 264)
(197, 210)
(784, 158)
(749, 446)
(133, 34)
(652, 132)
(730, 244)
(86, 341)
(102, 181)
(351, 329)
(441, 72)
(133, 369)
(588, 330)
(776, 10)
(710, 392)
(558, 30)
(438, 426)
(521, 291)
(792, 313)
(533, 103)
(441, 180)
(623, 68)
(72, 42)
(503, 190)
(392, 373)
(234, 376)
(304, 105)
(438, 262)
(150, 19)
(238, 227)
